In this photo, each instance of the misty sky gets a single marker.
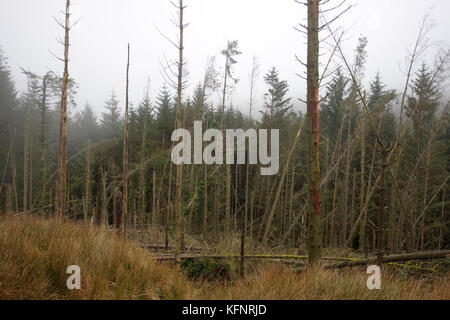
(264, 29)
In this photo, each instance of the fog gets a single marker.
(264, 28)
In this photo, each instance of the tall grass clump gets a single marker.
(35, 253)
(276, 282)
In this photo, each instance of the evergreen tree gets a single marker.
(165, 117)
(277, 105)
(85, 126)
(198, 103)
(424, 102)
(379, 97)
(332, 108)
(111, 125)
(8, 94)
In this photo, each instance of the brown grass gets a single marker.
(34, 255)
(276, 282)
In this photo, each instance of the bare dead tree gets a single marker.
(312, 30)
(62, 154)
(179, 84)
(125, 153)
(253, 78)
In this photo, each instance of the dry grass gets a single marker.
(276, 282)
(34, 255)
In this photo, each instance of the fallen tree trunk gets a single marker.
(163, 247)
(393, 258)
(261, 257)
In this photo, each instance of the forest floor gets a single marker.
(35, 253)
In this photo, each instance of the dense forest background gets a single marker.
(414, 188)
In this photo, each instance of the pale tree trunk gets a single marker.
(425, 199)
(344, 211)
(8, 200)
(227, 199)
(26, 163)
(335, 157)
(205, 195)
(441, 227)
(281, 184)
(142, 181)
(154, 223)
(236, 202)
(380, 226)
(104, 208)
(125, 155)
(352, 208)
(13, 177)
(30, 161)
(87, 181)
(168, 209)
(228, 168)
(291, 198)
(244, 224)
(253, 78)
(362, 228)
(315, 234)
(179, 179)
(9, 155)
(43, 141)
(62, 155)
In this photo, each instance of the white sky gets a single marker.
(264, 29)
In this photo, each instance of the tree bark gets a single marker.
(393, 258)
(62, 155)
(125, 155)
(179, 179)
(315, 236)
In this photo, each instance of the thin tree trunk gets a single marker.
(30, 161)
(236, 202)
(291, 200)
(179, 179)
(315, 234)
(154, 201)
(8, 157)
(26, 162)
(62, 155)
(344, 212)
(8, 199)
(168, 209)
(425, 198)
(87, 181)
(13, 175)
(118, 212)
(441, 227)
(104, 212)
(43, 140)
(125, 155)
(281, 184)
(228, 168)
(381, 205)
(362, 182)
(352, 208)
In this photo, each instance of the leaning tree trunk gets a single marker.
(313, 139)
